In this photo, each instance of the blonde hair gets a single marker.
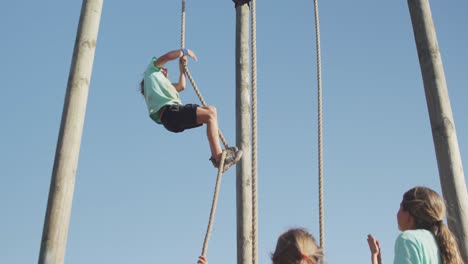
(428, 210)
(296, 246)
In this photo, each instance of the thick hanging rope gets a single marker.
(182, 30)
(320, 141)
(213, 205)
(254, 133)
(223, 154)
(187, 72)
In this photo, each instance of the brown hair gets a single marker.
(142, 87)
(296, 246)
(428, 210)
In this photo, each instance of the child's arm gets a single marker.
(180, 86)
(172, 55)
(374, 247)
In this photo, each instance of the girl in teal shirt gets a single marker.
(424, 239)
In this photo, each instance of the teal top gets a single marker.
(158, 90)
(417, 247)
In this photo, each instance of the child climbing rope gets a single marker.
(166, 108)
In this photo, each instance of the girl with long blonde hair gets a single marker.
(424, 238)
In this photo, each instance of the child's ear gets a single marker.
(411, 222)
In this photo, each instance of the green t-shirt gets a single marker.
(417, 247)
(159, 91)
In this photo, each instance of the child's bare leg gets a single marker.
(207, 115)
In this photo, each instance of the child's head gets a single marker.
(296, 246)
(425, 206)
(427, 209)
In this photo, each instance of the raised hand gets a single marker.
(202, 260)
(374, 247)
(192, 55)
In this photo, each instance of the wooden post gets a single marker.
(55, 232)
(243, 135)
(443, 127)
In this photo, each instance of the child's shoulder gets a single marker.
(414, 235)
(152, 67)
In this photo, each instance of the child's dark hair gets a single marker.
(428, 210)
(296, 246)
(142, 87)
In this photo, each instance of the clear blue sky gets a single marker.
(143, 195)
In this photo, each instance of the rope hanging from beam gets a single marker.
(320, 137)
(189, 75)
(253, 30)
(223, 154)
(213, 205)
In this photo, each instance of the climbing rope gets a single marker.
(223, 154)
(320, 141)
(189, 75)
(253, 31)
(182, 30)
(213, 205)
(197, 91)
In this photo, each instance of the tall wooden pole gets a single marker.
(243, 135)
(55, 232)
(443, 127)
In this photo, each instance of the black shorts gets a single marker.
(176, 118)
